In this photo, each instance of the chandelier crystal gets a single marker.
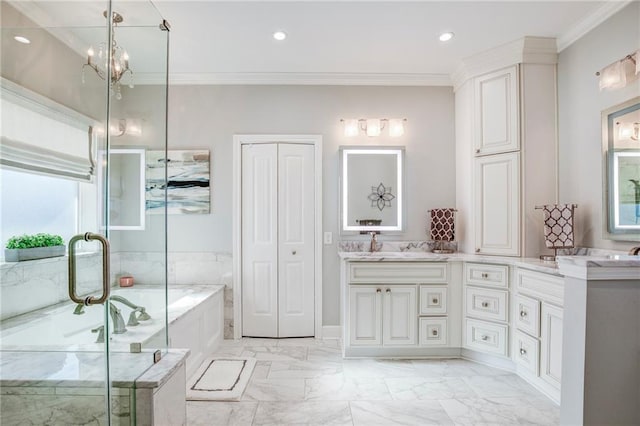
(119, 58)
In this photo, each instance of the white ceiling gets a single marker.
(232, 41)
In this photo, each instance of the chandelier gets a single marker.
(119, 66)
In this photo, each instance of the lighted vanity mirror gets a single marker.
(372, 185)
(126, 188)
(621, 145)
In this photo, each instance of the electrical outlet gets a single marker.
(328, 237)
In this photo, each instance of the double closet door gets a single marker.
(278, 216)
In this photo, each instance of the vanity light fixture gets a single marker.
(116, 59)
(22, 39)
(628, 131)
(614, 76)
(446, 36)
(373, 127)
(279, 35)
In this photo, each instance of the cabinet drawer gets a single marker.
(397, 272)
(433, 332)
(433, 300)
(486, 337)
(547, 287)
(528, 315)
(486, 304)
(486, 275)
(527, 352)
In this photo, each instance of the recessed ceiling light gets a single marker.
(21, 39)
(446, 36)
(279, 35)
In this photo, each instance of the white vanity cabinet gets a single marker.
(538, 319)
(397, 308)
(486, 312)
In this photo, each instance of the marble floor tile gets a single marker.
(341, 388)
(497, 386)
(201, 413)
(309, 342)
(303, 369)
(502, 411)
(274, 390)
(261, 370)
(303, 413)
(454, 368)
(413, 388)
(275, 353)
(421, 413)
(321, 353)
(259, 341)
(378, 368)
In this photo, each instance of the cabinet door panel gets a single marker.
(365, 316)
(551, 345)
(497, 112)
(497, 204)
(399, 316)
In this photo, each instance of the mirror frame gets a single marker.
(141, 153)
(345, 151)
(610, 156)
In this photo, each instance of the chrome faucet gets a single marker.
(635, 251)
(374, 242)
(118, 321)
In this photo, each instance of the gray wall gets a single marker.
(580, 104)
(208, 117)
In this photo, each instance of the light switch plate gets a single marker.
(328, 237)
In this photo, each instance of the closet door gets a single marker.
(260, 240)
(296, 216)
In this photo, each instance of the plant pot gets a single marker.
(18, 255)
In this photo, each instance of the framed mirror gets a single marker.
(126, 188)
(372, 189)
(621, 145)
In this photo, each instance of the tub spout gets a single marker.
(118, 321)
(79, 310)
(116, 298)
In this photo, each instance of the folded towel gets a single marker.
(442, 225)
(558, 225)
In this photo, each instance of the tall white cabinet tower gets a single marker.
(506, 147)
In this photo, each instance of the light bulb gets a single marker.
(351, 127)
(279, 35)
(90, 52)
(374, 127)
(446, 36)
(22, 39)
(396, 127)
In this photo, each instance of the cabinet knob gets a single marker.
(523, 351)
(434, 332)
(477, 151)
(485, 304)
(434, 301)
(477, 250)
(485, 275)
(378, 290)
(485, 338)
(294, 252)
(388, 290)
(523, 314)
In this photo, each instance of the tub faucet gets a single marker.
(118, 321)
(133, 321)
(635, 251)
(79, 310)
(100, 331)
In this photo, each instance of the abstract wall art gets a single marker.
(187, 186)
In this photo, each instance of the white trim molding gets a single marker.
(332, 332)
(238, 141)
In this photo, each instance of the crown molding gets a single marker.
(526, 50)
(591, 21)
(292, 78)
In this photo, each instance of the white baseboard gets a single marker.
(332, 332)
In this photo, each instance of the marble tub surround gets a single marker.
(305, 381)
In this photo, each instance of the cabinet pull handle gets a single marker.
(388, 290)
(378, 290)
(485, 338)
(485, 275)
(434, 332)
(477, 250)
(485, 304)
(477, 151)
(522, 351)
(523, 314)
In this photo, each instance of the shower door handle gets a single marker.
(89, 300)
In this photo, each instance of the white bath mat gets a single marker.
(220, 379)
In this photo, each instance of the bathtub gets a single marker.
(195, 317)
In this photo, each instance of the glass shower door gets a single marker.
(71, 360)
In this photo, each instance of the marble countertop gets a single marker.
(421, 256)
(614, 267)
(87, 369)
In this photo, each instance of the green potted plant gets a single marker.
(37, 246)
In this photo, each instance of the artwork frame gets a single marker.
(187, 187)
